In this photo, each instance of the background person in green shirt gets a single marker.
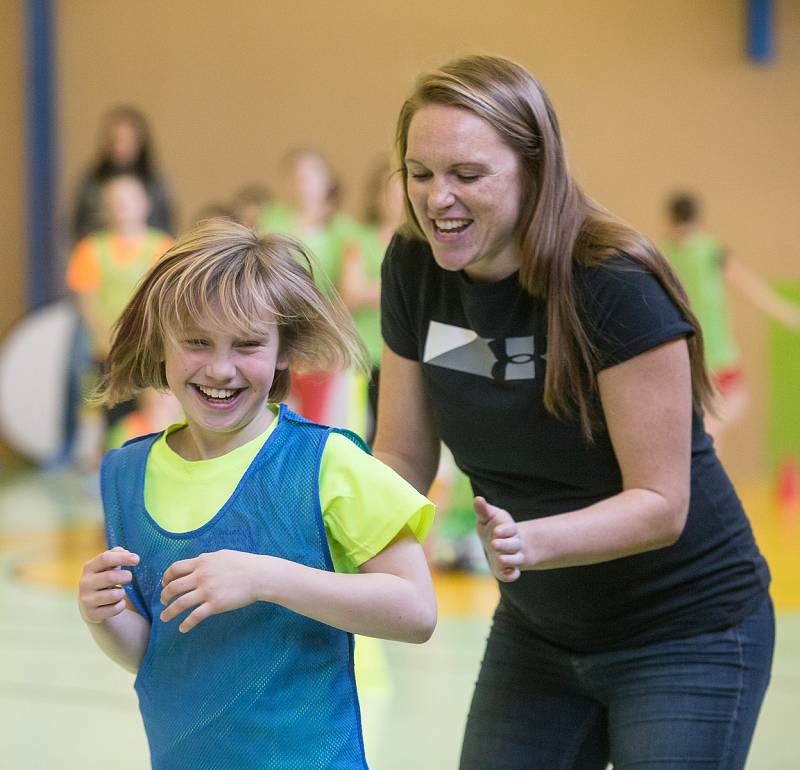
(360, 282)
(308, 209)
(706, 271)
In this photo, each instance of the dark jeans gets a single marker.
(686, 704)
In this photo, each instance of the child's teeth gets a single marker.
(215, 393)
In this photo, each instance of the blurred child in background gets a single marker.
(106, 265)
(248, 204)
(310, 212)
(706, 271)
(360, 284)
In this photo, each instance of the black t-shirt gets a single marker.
(483, 349)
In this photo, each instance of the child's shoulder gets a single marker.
(126, 463)
(351, 437)
(138, 439)
(347, 442)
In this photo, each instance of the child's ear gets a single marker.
(282, 361)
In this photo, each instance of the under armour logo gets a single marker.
(462, 350)
(511, 353)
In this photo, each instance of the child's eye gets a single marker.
(250, 344)
(195, 342)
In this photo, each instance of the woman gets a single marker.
(126, 147)
(552, 348)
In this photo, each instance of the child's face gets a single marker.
(126, 203)
(222, 381)
(311, 181)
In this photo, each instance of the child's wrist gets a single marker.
(267, 586)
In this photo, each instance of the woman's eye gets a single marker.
(418, 175)
(468, 178)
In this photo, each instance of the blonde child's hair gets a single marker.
(224, 272)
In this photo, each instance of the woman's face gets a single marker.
(465, 187)
(124, 143)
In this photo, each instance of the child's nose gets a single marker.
(221, 366)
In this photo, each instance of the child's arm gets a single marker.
(120, 632)
(356, 289)
(391, 598)
(760, 294)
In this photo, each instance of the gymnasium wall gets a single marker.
(651, 96)
(12, 109)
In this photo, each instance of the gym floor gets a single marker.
(66, 706)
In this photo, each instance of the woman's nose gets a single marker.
(440, 196)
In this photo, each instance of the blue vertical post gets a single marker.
(41, 167)
(760, 30)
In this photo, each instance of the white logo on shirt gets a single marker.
(462, 350)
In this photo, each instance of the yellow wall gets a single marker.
(12, 161)
(650, 96)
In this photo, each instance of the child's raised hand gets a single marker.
(100, 595)
(214, 582)
(501, 541)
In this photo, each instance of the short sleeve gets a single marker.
(365, 504)
(83, 271)
(627, 311)
(397, 328)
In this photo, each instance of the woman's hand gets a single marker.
(501, 541)
(212, 583)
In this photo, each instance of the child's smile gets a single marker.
(221, 397)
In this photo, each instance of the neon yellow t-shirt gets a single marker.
(364, 502)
